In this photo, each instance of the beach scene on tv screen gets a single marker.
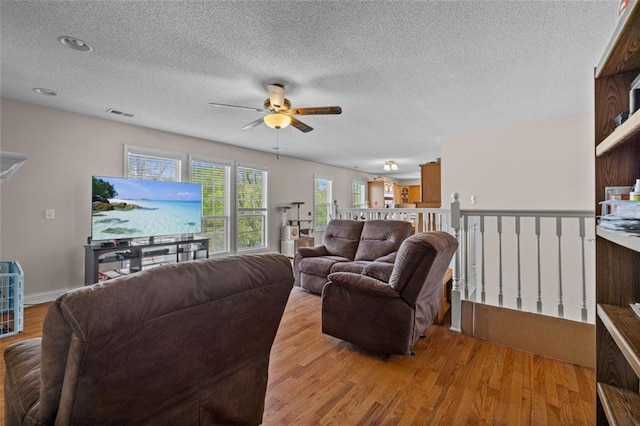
(135, 208)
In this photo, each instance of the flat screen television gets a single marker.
(124, 208)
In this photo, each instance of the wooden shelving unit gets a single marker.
(617, 163)
(626, 132)
(623, 326)
(621, 406)
(632, 243)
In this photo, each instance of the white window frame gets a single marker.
(150, 152)
(316, 204)
(262, 211)
(362, 203)
(228, 207)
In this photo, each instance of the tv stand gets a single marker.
(103, 263)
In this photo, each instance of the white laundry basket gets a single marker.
(11, 298)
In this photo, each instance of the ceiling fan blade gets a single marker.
(253, 124)
(316, 110)
(304, 128)
(235, 106)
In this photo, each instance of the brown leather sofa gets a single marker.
(350, 246)
(180, 344)
(389, 317)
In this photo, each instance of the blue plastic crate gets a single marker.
(11, 298)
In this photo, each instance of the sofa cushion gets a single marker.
(357, 266)
(341, 237)
(381, 237)
(379, 270)
(319, 265)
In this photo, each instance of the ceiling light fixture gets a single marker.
(277, 120)
(43, 91)
(75, 43)
(390, 166)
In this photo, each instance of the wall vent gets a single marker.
(123, 114)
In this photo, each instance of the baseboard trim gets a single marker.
(45, 296)
(557, 338)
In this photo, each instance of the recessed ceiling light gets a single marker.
(46, 92)
(75, 43)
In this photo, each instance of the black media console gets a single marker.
(102, 263)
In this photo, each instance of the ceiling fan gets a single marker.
(278, 111)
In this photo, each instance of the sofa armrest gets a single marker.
(312, 251)
(362, 284)
(389, 258)
(22, 382)
(303, 252)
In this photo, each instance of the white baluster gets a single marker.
(519, 295)
(559, 234)
(482, 284)
(584, 274)
(500, 296)
(539, 301)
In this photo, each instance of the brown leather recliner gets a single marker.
(389, 317)
(180, 344)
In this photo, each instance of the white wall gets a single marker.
(540, 165)
(547, 164)
(64, 150)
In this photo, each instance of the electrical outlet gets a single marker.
(49, 214)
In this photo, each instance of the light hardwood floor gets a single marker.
(452, 380)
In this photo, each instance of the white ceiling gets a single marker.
(404, 72)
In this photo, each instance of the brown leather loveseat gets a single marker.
(363, 247)
(180, 344)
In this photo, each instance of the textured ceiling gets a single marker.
(405, 72)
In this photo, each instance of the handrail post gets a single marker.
(456, 302)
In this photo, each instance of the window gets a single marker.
(321, 201)
(234, 222)
(251, 193)
(214, 177)
(358, 189)
(142, 163)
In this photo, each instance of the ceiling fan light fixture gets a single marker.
(390, 166)
(277, 120)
